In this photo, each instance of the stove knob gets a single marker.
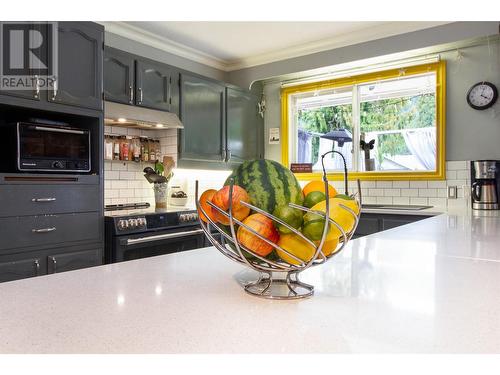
(182, 218)
(132, 223)
(141, 222)
(122, 224)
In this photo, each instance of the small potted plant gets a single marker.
(159, 177)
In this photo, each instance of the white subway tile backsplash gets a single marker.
(409, 192)
(463, 175)
(117, 166)
(439, 202)
(384, 184)
(111, 175)
(451, 175)
(401, 184)
(401, 200)
(369, 200)
(456, 165)
(442, 193)
(437, 184)
(392, 192)
(418, 184)
(456, 182)
(418, 201)
(427, 192)
(368, 184)
(376, 192)
(127, 175)
(118, 184)
(384, 200)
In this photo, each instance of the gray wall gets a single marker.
(470, 134)
(131, 46)
(434, 36)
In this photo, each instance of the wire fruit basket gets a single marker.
(278, 279)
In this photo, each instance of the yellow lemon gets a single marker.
(329, 246)
(337, 213)
(296, 246)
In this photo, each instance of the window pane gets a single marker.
(318, 114)
(400, 117)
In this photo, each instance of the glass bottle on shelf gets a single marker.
(136, 149)
(145, 150)
(116, 147)
(124, 148)
(108, 147)
(158, 150)
(152, 150)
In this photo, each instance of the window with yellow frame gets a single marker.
(389, 125)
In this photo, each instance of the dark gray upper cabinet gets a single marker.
(202, 113)
(243, 125)
(153, 82)
(119, 85)
(80, 57)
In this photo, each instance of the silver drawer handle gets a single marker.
(54, 264)
(43, 199)
(44, 230)
(160, 237)
(37, 267)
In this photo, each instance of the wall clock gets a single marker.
(482, 95)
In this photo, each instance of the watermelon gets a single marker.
(268, 184)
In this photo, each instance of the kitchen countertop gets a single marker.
(431, 211)
(427, 287)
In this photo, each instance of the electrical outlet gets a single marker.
(452, 192)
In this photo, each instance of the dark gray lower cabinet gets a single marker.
(243, 125)
(14, 269)
(73, 260)
(370, 223)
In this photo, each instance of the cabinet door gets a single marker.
(79, 78)
(202, 113)
(32, 93)
(243, 125)
(118, 76)
(368, 225)
(20, 269)
(152, 85)
(73, 261)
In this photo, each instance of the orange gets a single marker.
(206, 197)
(319, 186)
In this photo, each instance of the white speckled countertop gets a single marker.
(431, 286)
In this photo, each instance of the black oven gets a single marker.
(136, 231)
(156, 243)
(52, 148)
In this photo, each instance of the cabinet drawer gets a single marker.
(23, 200)
(43, 230)
(73, 261)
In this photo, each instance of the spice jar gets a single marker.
(108, 147)
(152, 150)
(124, 148)
(116, 147)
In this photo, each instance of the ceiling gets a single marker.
(235, 45)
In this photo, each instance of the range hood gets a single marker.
(130, 116)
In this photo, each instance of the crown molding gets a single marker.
(142, 36)
(371, 33)
(343, 40)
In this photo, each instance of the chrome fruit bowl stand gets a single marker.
(277, 279)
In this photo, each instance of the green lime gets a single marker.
(343, 196)
(309, 216)
(313, 229)
(313, 198)
(289, 215)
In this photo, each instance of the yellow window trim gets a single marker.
(439, 68)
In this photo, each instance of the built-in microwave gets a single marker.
(52, 148)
